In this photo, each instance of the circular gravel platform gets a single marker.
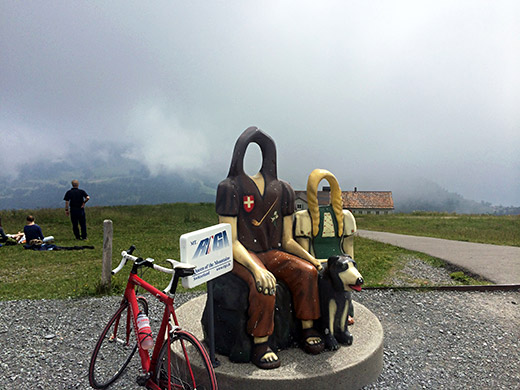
(348, 368)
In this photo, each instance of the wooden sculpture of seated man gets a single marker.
(260, 211)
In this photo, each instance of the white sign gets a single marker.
(210, 250)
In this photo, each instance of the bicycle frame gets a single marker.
(148, 364)
(167, 365)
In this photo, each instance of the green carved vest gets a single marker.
(327, 243)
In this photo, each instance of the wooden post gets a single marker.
(106, 271)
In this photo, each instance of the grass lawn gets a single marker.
(486, 229)
(155, 231)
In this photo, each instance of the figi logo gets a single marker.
(210, 250)
(213, 243)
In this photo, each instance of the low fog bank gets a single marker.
(426, 195)
(118, 182)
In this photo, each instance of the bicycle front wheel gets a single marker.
(190, 365)
(114, 350)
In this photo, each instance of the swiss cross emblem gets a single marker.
(249, 203)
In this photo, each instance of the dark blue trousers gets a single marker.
(77, 216)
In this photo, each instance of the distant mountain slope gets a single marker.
(127, 182)
(107, 192)
(425, 195)
(112, 182)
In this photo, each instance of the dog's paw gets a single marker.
(345, 337)
(330, 342)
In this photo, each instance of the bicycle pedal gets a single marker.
(142, 379)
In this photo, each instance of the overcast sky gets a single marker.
(377, 92)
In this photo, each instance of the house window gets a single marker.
(299, 206)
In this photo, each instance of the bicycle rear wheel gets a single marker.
(115, 347)
(190, 366)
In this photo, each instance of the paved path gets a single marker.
(498, 264)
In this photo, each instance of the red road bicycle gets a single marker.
(178, 360)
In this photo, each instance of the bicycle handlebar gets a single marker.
(127, 255)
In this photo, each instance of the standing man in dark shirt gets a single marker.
(76, 199)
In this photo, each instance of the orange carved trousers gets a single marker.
(300, 276)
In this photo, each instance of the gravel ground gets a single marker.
(447, 340)
(418, 273)
(433, 340)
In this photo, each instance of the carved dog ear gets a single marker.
(334, 269)
(332, 261)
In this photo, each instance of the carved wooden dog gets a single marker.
(339, 277)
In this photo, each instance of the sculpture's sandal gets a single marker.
(258, 357)
(313, 349)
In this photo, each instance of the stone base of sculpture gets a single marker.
(349, 367)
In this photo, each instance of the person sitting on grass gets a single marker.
(9, 239)
(33, 233)
(3, 236)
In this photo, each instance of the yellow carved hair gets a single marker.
(312, 199)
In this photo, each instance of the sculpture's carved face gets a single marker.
(344, 273)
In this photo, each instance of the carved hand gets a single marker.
(316, 263)
(265, 281)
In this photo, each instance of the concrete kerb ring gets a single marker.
(350, 367)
